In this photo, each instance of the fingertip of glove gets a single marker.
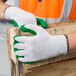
(44, 26)
(25, 29)
(22, 28)
(14, 23)
(16, 36)
(19, 57)
(42, 23)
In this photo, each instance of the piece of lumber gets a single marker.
(12, 67)
(65, 27)
(63, 68)
(62, 23)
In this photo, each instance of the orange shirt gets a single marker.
(47, 8)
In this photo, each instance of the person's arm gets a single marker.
(3, 6)
(72, 42)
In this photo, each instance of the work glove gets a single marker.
(20, 17)
(39, 47)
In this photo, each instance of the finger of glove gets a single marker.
(42, 22)
(22, 59)
(20, 46)
(25, 60)
(21, 53)
(21, 38)
(30, 28)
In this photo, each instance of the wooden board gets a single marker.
(57, 29)
(61, 68)
(64, 68)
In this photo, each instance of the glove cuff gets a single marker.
(6, 9)
(67, 43)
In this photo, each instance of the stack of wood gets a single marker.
(64, 65)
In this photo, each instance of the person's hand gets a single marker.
(20, 17)
(40, 46)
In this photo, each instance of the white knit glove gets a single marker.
(20, 17)
(39, 47)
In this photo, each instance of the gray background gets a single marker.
(4, 62)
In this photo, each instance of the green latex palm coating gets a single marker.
(15, 49)
(18, 36)
(16, 42)
(42, 22)
(15, 23)
(32, 62)
(24, 29)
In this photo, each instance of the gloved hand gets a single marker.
(20, 17)
(39, 47)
